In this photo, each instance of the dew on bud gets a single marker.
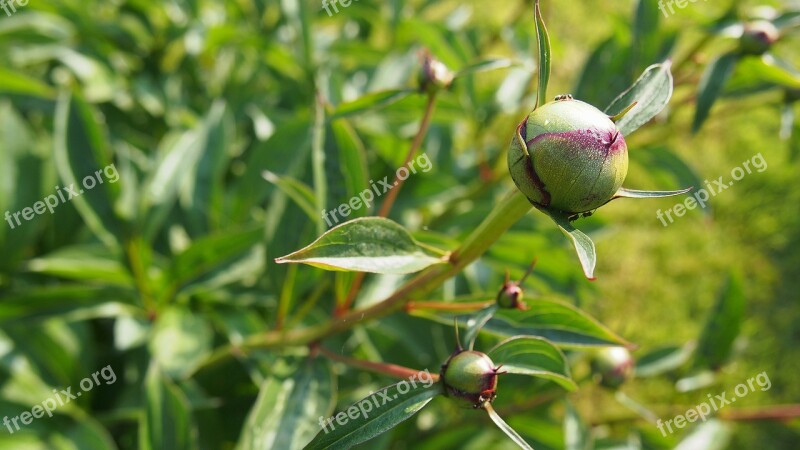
(568, 156)
(470, 377)
(613, 366)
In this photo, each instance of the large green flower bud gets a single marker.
(470, 377)
(758, 36)
(568, 156)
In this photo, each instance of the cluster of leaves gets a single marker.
(231, 125)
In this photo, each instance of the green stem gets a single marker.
(512, 208)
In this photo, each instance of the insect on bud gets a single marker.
(613, 366)
(568, 156)
(434, 75)
(757, 37)
(470, 377)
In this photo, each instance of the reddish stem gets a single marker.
(448, 306)
(391, 370)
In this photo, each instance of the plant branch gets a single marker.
(512, 208)
(386, 206)
(448, 306)
(391, 370)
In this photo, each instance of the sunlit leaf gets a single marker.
(651, 92)
(533, 356)
(369, 244)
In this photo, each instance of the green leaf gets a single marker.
(544, 56)
(352, 161)
(369, 244)
(286, 412)
(584, 247)
(368, 102)
(181, 339)
(12, 83)
(710, 87)
(212, 251)
(318, 163)
(167, 421)
(752, 73)
(65, 301)
(485, 66)
(476, 322)
(651, 92)
(533, 356)
(375, 414)
(298, 191)
(89, 262)
(630, 193)
(506, 428)
(559, 323)
(722, 327)
(662, 360)
(81, 154)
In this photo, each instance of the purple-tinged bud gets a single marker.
(434, 75)
(470, 377)
(613, 366)
(757, 37)
(568, 156)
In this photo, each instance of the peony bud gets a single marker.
(568, 156)
(613, 366)
(470, 377)
(434, 75)
(757, 37)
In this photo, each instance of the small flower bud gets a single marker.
(613, 366)
(434, 75)
(757, 37)
(470, 377)
(568, 156)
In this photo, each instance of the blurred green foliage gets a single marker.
(192, 100)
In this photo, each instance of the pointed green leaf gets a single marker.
(376, 414)
(81, 153)
(651, 92)
(533, 356)
(286, 412)
(544, 56)
(13, 83)
(558, 322)
(368, 244)
(167, 421)
(722, 327)
(374, 100)
(298, 191)
(711, 84)
(630, 193)
(476, 322)
(211, 251)
(584, 247)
